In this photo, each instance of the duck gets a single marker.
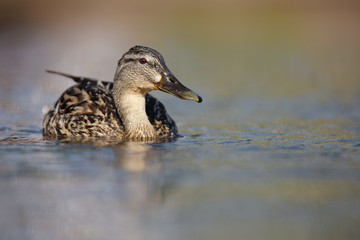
(122, 110)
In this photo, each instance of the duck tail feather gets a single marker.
(75, 78)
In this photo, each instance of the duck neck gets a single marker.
(130, 104)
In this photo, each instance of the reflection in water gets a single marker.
(71, 192)
(239, 179)
(144, 161)
(133, 156)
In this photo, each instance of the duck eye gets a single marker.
(142, 60)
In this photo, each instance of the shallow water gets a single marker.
(276, 179)
(273, 152)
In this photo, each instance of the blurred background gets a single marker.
(271, 153)
(225, 50)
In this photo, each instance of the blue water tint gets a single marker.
(231, 178)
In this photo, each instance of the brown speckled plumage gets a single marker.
(99, 109)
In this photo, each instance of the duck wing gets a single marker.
(86, 109)
(164, 125)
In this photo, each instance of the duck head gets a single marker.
(143, 69)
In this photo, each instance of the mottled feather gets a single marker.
(87, 109)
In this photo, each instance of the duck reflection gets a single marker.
(136, 157)
(144, 178)
(91, 192)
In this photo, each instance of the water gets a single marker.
(275, 179)
(273, 152)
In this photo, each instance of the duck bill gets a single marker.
(170, 84)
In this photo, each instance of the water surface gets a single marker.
(292, 178)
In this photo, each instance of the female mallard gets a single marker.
(122, 110)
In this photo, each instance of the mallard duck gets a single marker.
(122, 110)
